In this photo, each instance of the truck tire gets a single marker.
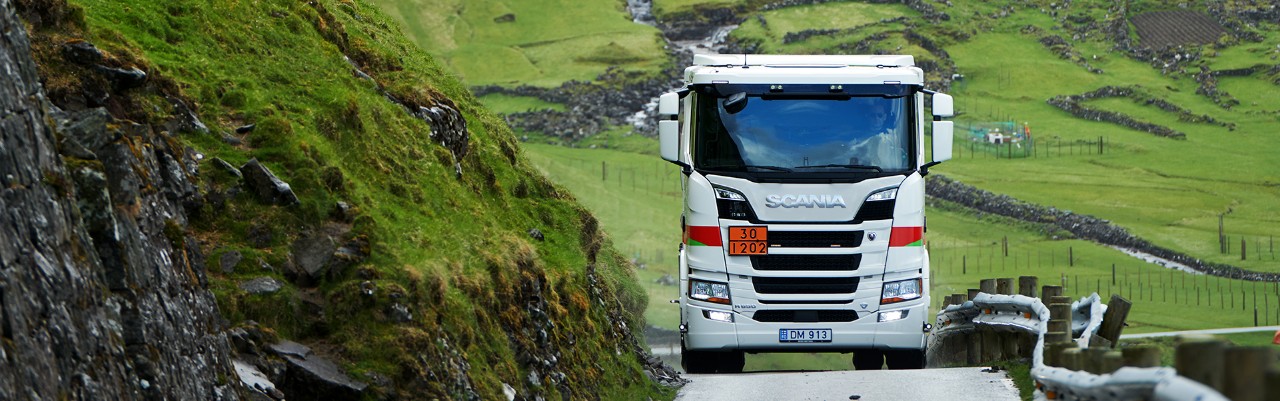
(731, 362)
(869, 359)
(697, 361)
(905, 359)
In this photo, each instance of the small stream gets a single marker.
(1156, 260)
(642, 13)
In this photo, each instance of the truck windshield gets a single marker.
(802, 134)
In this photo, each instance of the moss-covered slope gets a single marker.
(439, 289)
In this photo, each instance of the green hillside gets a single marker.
(328, 85)
(540, 43)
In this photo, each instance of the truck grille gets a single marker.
(805, 316)
(815, 239)
(806, 262)
(805, 285)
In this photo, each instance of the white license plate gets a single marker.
(804, 335)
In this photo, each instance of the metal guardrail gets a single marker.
(1031, 316)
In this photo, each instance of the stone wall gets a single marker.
(1083, 226)
(1073, 104)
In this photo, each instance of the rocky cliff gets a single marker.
(103, 295)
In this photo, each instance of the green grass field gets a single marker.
(671, 8)
(508, 104)
(547, 43)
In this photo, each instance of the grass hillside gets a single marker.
(540, 43)
(1014, 58)
(489, 304)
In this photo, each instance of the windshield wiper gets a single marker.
(774, 168)
(857, 166)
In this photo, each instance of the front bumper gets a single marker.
(745, 334)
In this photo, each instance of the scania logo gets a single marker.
(809, 201)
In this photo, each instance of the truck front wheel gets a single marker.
(905, 359)
(868, 359)
(711, 362)
(731, 362)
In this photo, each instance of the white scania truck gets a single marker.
(804, 206)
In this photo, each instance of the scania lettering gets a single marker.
(804, 201)
(803, 216)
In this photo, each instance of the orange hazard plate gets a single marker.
(752, 240)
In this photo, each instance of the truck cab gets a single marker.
(803, 206)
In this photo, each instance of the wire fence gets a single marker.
(1030, 149)
(1138, 281)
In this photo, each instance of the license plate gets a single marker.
(752, 240)
(804, 335)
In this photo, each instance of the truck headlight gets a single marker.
(733, 204)
(888, 194)
(899, 291)
(709, 291)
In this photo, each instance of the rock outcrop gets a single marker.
(102, 293)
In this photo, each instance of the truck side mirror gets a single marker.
(669, 105)
(943, 106)
(943, 134)
(669, 127)
(943, 131)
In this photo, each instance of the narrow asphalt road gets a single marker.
(874, 385)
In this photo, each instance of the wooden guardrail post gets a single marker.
(1053, 352)
(1113, 319)
(1070, 358)
(1004, 286)
(987, 286)
(974, 351)
(1112, 361)
(1141, 356)
(1050, 291)
(973, 293)
(1245, 370)
(1200, 358)
(1271, 386)
(1027, 285)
